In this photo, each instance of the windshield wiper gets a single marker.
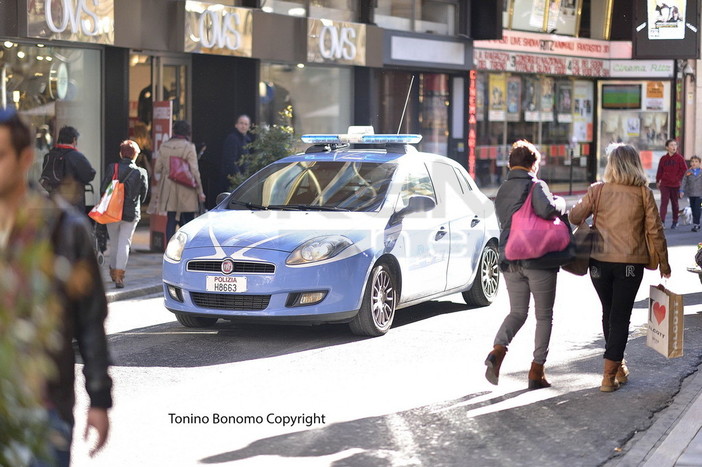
(306, 207)
(249, 205)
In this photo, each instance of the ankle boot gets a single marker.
(112, 274)
(623, 373)
(493, 362)
(609, 378)
(119, 278)
(537, 378)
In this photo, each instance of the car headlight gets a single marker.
(319, 249)
(174, 250)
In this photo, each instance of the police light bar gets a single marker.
(362, 139)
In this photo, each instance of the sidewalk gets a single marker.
(143, 276)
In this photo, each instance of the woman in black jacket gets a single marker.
(136, 186)
(524, 278)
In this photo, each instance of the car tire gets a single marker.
(379, 302)
(487, 278)
(195, 321)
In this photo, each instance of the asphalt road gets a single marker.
(318, 396)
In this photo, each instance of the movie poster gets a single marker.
(564, 103)
(497, 97)
(582, 111)
(514, 98)
(547, 99)
(666, 19)
(529, 104)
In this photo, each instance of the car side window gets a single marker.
(415, 182)
(465, 186)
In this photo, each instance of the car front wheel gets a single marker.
(484, 288)
(378, 307)
(195, 321)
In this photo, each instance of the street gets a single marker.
(263, 395)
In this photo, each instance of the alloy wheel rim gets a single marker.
(488, 272)
(382, 299)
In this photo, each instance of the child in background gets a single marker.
(692, 188)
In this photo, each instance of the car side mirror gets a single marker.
(221, 197)
(416, 203)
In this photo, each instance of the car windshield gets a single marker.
(316, 185)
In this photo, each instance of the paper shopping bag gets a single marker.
(109, 209)
(665, 322)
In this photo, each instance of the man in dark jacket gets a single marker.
(234, 148)
(671, 169)
(66, 170)
(29, 219)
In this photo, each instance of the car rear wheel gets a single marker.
(484, 288)
(195, 321)
(378, 307)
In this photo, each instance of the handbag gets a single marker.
(109, 209)
(586, 237)
(532, 236)
(665, 322)
(180, 173)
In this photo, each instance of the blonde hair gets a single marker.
(624, 166)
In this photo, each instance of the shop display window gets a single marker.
(553, 16)
(53, 87)
(285, 7)
(320, 97)
(556, 114)
(428, 16)
(338, 10)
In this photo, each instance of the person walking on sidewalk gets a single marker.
(524, 278)
(136, 186)
(671, 169)
(174, 198)
(692, 188)
(627, 219)
(56, 237)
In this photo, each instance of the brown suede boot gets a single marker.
(537, 378)
(112, 274)
(609, 381)
(119, 278)
(493, 362)
(623, 373)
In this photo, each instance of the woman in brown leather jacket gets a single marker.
(626, 216)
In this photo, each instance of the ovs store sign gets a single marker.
(72, 20)
(336, 42)
(218, 29)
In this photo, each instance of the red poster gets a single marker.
(161, 131)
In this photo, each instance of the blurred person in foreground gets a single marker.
(136, 186)
(70, 269)
(524, 278)
(626, 216)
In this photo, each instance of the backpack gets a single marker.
(54, 170)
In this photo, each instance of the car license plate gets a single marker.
(227, 284)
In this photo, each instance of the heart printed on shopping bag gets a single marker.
(659, 312)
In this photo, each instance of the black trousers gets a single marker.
(616, 285)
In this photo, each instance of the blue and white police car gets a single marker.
(355, 228)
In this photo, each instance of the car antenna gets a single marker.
(409, 91)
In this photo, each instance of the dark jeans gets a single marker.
(60, 437)
(671, 194)
(185, 217)
(616, 285)
(696, 209)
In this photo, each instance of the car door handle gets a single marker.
(475, 221)
(440, 233)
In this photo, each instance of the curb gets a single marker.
(118, 295)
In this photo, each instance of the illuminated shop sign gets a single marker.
(218, 29)
(336, 42)
(72, 20)
(472, 119)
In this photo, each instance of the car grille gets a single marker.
(230, 301)
(239, 267)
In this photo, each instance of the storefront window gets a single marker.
(555, 114)
(320, 97)
(338, 10)
(429, 16)
(53, 87)
(554, 16)
(285, 7)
